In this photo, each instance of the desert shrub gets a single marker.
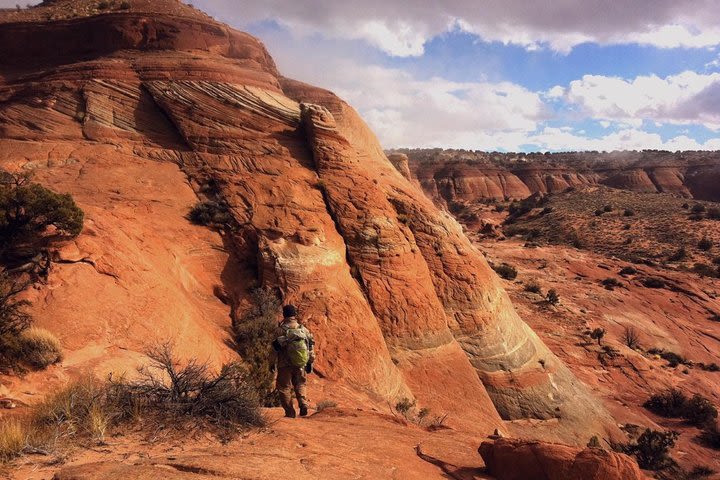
(499, 208)
(628, 271)
(552, 297)
(678, 256)
(103, 5)
(253, 333)
(599, 212)
(712, 367)
(508, 272)
(713, 213)
(686, 206)
(653, 282)
(227, 400)
(705, 244)
(37, 348)
(699, 411)
(631, 337)
(710, 437)
(22, 347)
(576, 241)
(652, 449)
(210, 214)
(628, 213)
(716, 260)
(405, 406)
(705, 270)
(167, 392)
(670, 403)
(610, 283)
(533, 287)
(125, 6)
(607, 208)
(594, 442)
(699, 471)
(673, 359)
(598, 334)
(28, 210)
(698, 208)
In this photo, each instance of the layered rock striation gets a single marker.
(141, 107)
(462, 176)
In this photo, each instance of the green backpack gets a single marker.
(295, 344)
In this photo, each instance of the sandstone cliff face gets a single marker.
(402, 304)
(460, 176)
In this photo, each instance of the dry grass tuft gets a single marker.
(39, 348)
(13, 439)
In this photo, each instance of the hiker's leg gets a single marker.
(299, 382)
(284, 388)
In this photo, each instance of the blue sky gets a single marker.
(505, 75)
(593, 96)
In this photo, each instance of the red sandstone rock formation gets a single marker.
(521, 460)
(141, 106)
(461, 176)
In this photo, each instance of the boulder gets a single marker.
(508, 459)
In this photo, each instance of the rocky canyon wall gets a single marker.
(163, 109)
(453, 175)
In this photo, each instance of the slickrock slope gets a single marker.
(142, 114)
(463, 176)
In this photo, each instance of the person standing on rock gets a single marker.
(293, 354)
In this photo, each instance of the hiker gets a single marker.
(292, 356)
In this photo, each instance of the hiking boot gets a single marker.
(291, 413)
(303, 411)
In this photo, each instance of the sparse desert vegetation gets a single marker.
(187, 395)
(22, 346)
(586, 218)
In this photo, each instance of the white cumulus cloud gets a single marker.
(686, 98)
(402, 28)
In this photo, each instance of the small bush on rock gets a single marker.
(22, 347)
(210, 214)
(533, 287)
(611, 283)
(670, 403)
(552, 297)
(652, 449)
(253, 333)
(628, 271)
(699, 411)
(678, 256)
(28, 211)
(653, 282)
(507, 272)
(598, 334)
(710, 436)
(38, 348)
(631, 337)
(705, 244)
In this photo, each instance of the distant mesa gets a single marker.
(459, 175)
